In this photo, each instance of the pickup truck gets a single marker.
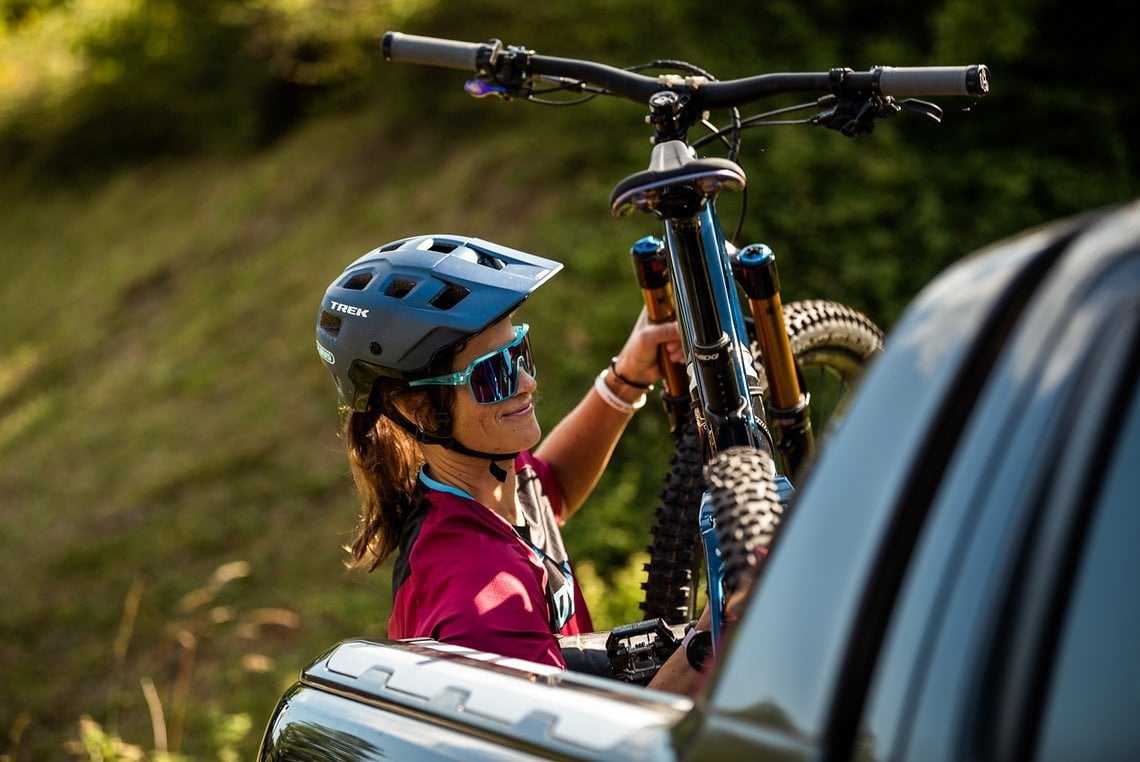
(956, 580)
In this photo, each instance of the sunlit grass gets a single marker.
(162, 412)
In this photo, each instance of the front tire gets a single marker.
(832, 344)
(673, 569)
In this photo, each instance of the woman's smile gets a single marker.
(518, 412)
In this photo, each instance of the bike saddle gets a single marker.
(674, 175)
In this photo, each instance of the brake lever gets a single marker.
(923, 107)
(482, 87)
(503, 72)
(856, 114)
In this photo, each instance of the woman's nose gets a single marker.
(527, 384)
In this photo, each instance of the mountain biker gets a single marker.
(438, 386)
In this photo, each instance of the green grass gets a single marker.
(163, 413)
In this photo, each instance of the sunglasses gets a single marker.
(493, 377)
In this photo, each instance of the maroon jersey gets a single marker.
(464, 575)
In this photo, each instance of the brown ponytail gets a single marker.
(385, 461)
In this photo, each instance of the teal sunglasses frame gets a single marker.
(463, 377)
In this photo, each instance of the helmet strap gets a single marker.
(449, 442)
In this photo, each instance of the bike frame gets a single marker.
(723, 381)
(692, 275)
(714, 336)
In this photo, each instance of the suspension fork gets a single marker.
(788, 409)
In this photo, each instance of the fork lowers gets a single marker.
(754, 268)
(652, 271)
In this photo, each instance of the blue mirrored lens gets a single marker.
(492, 378)
(496, 378)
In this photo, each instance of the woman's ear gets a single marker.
(422, 409)
(413, 407)
(428, 410)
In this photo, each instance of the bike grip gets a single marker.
(934, 80)
(430, 51)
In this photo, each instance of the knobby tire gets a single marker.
(747, 508)
(831, 344)
(675, 556)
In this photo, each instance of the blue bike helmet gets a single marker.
(393, 310)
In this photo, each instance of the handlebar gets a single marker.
(518, 64)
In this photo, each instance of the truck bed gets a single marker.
(422, 699)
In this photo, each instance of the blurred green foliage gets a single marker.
(94, 84)
(179, 180)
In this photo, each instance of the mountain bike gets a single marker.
(745, 406)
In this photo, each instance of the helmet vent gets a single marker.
(487, 260)
(449, 297)
(442, 247)
(358, 282)
(398, 288)
(330, 324)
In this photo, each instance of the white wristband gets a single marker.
(610, 398)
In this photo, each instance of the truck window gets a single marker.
(1092, 707)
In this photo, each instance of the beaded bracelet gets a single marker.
(610, 398)
(626, 381)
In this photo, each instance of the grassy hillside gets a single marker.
(172, 493)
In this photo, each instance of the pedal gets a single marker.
(636, 651)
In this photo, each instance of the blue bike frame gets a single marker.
(699, 261)
(722, 376)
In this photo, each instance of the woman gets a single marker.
(441, 434)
